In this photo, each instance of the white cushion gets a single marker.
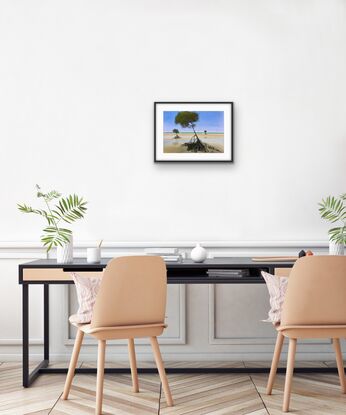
(277, 287)
(87, 289)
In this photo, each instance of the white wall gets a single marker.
(77, 84)
(78, 80)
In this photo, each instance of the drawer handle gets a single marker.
(66, 269)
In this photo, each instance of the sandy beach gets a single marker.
(175, 145)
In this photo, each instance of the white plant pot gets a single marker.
(198, 254)
(336, 249)
(64, 254)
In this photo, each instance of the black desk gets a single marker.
(47, 272)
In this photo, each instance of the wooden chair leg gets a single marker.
(340, 364)
(100, 375)
(161, 369)
(289, 374)
(276, 358)
(133, 364)
(73, 363)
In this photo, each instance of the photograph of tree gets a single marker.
(193, 131)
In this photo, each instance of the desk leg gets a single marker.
(28, 377)
(46, 321)
(25, 322)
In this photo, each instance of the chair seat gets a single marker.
(313, 331)
(122, 332)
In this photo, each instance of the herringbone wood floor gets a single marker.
(194, 394)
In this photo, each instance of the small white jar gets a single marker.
(93, 255)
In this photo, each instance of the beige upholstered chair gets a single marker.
(131, 303)
(314, 307)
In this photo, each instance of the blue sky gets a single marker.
(211, 121)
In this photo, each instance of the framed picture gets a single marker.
(193, 131)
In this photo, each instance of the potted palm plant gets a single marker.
(333, 209)
(66, 209)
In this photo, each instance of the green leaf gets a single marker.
(28, 209)
(70, 209)
(332, 209)
(52, 195)
(55, 237)
(338, 235)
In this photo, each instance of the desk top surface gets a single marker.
(231, 262)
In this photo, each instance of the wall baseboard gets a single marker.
(174, 357)
(18, 342)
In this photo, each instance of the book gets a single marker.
(161, 251)
(170, 258)
(235, 273)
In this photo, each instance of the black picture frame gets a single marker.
(231, 138)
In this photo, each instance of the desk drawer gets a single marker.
(54, 274)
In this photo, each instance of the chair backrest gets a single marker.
(316, 292)
(133, 291)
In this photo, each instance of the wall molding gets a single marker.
(15, 245)
(213, 340)
(181, 339)
(248, 341)
(35, 250)
(21, 253)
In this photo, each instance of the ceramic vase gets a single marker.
(336, 249)
(64, 254)
(198, 254)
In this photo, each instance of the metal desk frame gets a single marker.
(185, 272)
